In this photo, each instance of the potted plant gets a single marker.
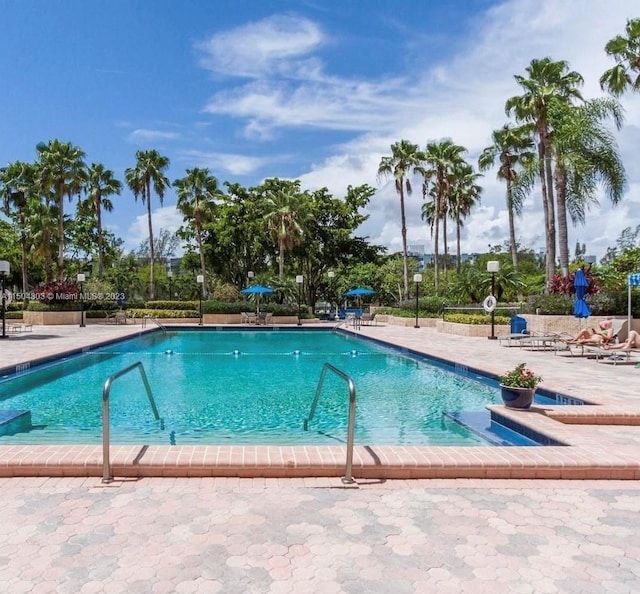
(519, 386)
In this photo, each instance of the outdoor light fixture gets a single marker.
(200, 279)
(299, 280)
(81, 278)
(170, 277)
(331, 274)
(417, 278)
(5, 268)
(490, 302)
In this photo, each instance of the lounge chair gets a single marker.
(117, 317)
(588, 348)
(20, 327)
(514, 339)
(248, 318)
(368, 319)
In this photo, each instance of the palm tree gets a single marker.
(440, 160)
(100, 184)
(547, 80)
(404, 160)
(61, 169)
(464, 196)
(585, 154)
(626, 52)
(197, 192)
(149, 169)
(285, 217)
(42, 218)
(18, 187)
(512, 146)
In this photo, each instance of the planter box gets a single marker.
(220, 319)
(51, 318)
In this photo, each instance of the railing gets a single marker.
(144, 323)
(348, 477)
(106, 391)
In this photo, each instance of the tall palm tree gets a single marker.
(626, 52)
(404, 160)
(285, 216)
(197, 193)
(100, 184)
(547, 80)
(439, 162)
(61, 168)
(149, 169)
(464, 195)
(18, 187)
(586, 154)
(513, 147)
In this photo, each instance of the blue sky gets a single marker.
(310, 90)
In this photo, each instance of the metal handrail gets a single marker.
(348, 477)
(144, 323)
(106, 391)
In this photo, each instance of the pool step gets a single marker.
(14, 421)
(481, 424)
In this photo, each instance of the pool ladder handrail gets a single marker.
(348, 477)
(155, 321)
(107, 477)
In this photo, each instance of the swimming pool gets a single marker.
(246, 387)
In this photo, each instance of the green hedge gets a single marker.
(171, 305)
(401, 312)
(477, 319)
(226, 307)
(164, 313)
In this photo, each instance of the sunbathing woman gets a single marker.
(632, 342)
(592, 336)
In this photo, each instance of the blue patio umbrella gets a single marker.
(257, 290)
(359, 292)
(580, 284)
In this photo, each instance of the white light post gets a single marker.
(493, 266)
(417, 278)
(299, 281)
(81, 278)
(331, 274)
(5, 268)
(200, 279)
(170, 277)
(250, 276)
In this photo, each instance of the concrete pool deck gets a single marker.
(602, 441)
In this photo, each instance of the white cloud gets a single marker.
(142, 135)
(165, 217)
(272, 45)
(231, 163)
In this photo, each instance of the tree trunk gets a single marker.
(100, 238)
(436, 241)
(23, 250)
(444, 241)
(405, 264)
(551, 230)
(200, 250)
(458, 254)
(563, 233)
(549, 251)
(152, 289)
(281, 259)
(61, 232)
(512, 227)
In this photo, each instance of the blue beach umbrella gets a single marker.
(359, 292)
(257, 290)
(580, 284)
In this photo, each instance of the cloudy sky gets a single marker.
(300, 89)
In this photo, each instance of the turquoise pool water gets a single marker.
(241, 387)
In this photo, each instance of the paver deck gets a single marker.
(316, 535)
(601, 440)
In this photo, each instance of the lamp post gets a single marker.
(299, 281)
(417, 278)
(493, 266)
(200, 279)
(5, 268)
(331, 274)
(250, 276)
(81, 278)
(170, 277)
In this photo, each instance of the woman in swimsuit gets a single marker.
(632, 342)
(592, 336)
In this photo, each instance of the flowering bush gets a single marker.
(520, 377)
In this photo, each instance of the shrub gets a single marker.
(172, 305)
(164, 313)
(226, 293)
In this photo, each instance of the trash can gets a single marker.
(518, 325)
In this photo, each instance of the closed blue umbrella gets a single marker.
(580, 284)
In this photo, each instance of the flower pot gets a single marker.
(517, 397)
